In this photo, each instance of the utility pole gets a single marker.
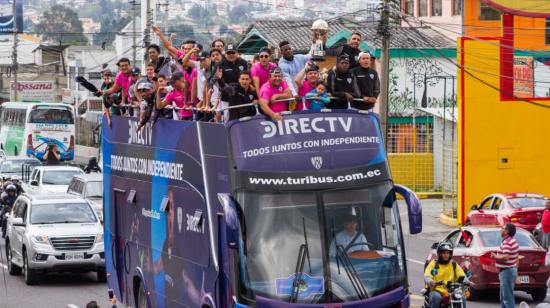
(147, 29)
(134, 33)
(384, 32)
(14, 54)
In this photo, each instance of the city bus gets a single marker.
(28, 129)
(254, 213)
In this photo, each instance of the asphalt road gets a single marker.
(418, 246)
(54, 290)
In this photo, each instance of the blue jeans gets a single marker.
(507, 279)
(436, 298)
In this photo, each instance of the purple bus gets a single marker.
(296, 213)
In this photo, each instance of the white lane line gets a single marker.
(415, 261)
(72, 306)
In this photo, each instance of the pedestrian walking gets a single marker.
(506, 261)
(545, 224)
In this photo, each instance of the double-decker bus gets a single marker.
(28, 129)
(296, 213)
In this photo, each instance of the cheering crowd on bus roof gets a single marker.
(192, 83)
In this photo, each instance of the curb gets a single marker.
(429, 195)
(446, 220)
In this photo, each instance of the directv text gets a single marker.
(148, 167)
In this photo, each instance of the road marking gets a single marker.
(415, 261)
(72, 306)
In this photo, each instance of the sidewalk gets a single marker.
(83, 153)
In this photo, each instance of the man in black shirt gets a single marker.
(240, 94)
(52, 155)
(367, 81)
(351, 49)
(231, 66)
(341, 84)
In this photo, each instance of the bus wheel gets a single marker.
(142, 297)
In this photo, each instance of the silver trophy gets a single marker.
(319, 36)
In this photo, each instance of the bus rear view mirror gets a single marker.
(231, 220)
(413, 207)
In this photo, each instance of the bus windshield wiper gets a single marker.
(356, 282)
(300, 264)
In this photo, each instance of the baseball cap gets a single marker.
(275, 70)
(106, 72)
(343, 57)
(230, 48)
(204, 55)
(312, 68)
(136, 71)
(145, 86)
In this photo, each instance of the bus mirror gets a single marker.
(34, 183)
(231, 220)
(413, 207)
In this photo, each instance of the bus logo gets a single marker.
(180, 218)
(194, 222)
(317, 162)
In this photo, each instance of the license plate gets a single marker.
(74, 256)
(523, 279)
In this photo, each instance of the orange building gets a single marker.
(504, 99)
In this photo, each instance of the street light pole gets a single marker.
(14, 54)
(134, 42)
(384, 32)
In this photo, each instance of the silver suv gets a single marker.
(56, 233)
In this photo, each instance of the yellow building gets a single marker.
(504, 99)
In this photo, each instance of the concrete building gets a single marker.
(444, 16)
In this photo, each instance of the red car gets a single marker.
(523, 210)
(473, 248)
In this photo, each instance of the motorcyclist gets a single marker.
(440, 272)
(7, 199)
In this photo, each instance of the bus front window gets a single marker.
(51, 115)
(335, 246)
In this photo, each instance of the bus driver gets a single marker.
(349, 238)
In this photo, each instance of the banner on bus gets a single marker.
(6, 21)
(33, 91)
(307, 142)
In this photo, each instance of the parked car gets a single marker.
(522, 209)
(54, 233)
(89, 187)
(51, 179)
(13, 166)
(474, 255)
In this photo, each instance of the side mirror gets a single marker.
(17, 222)
(231, 219)
(34, 183)
(413, 207)
(474, 207)
(434, 245)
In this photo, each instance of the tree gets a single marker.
(109, 27)
(60, 24)
(197, 12)
(239, 14)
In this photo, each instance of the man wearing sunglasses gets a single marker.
(260, 70)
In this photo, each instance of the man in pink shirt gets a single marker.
(260, 70)
(178, 96)
(305, 85)
(272, 93)
(123, 80)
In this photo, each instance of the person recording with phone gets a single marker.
(52, 156)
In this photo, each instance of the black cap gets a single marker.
(343, 57)
(136, 71)
(230, 48)
(204, 55)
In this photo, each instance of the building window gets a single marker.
(457, 7)
(423, 10)
(437, 9)
(488, 13)
(409, 7)
(547, 34)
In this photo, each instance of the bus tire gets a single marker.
(142, 297)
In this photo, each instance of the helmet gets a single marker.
(320, 24)
(444, 246)
(11, 187)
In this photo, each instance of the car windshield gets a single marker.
(526, 202)
(51, 115)
(492, 238)
(58, 177)
(62, 213)
(94, 189)
(349, 241)
(16, 166)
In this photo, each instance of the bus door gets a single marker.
(118, 220)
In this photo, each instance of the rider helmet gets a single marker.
(444, 246)
(11, 187)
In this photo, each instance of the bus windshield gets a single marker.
(62, 213)
(58, 177)
(51, 115)
(16, 166)
(350, 241)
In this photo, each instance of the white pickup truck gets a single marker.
(51, 179)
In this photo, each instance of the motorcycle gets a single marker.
(454, 297)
